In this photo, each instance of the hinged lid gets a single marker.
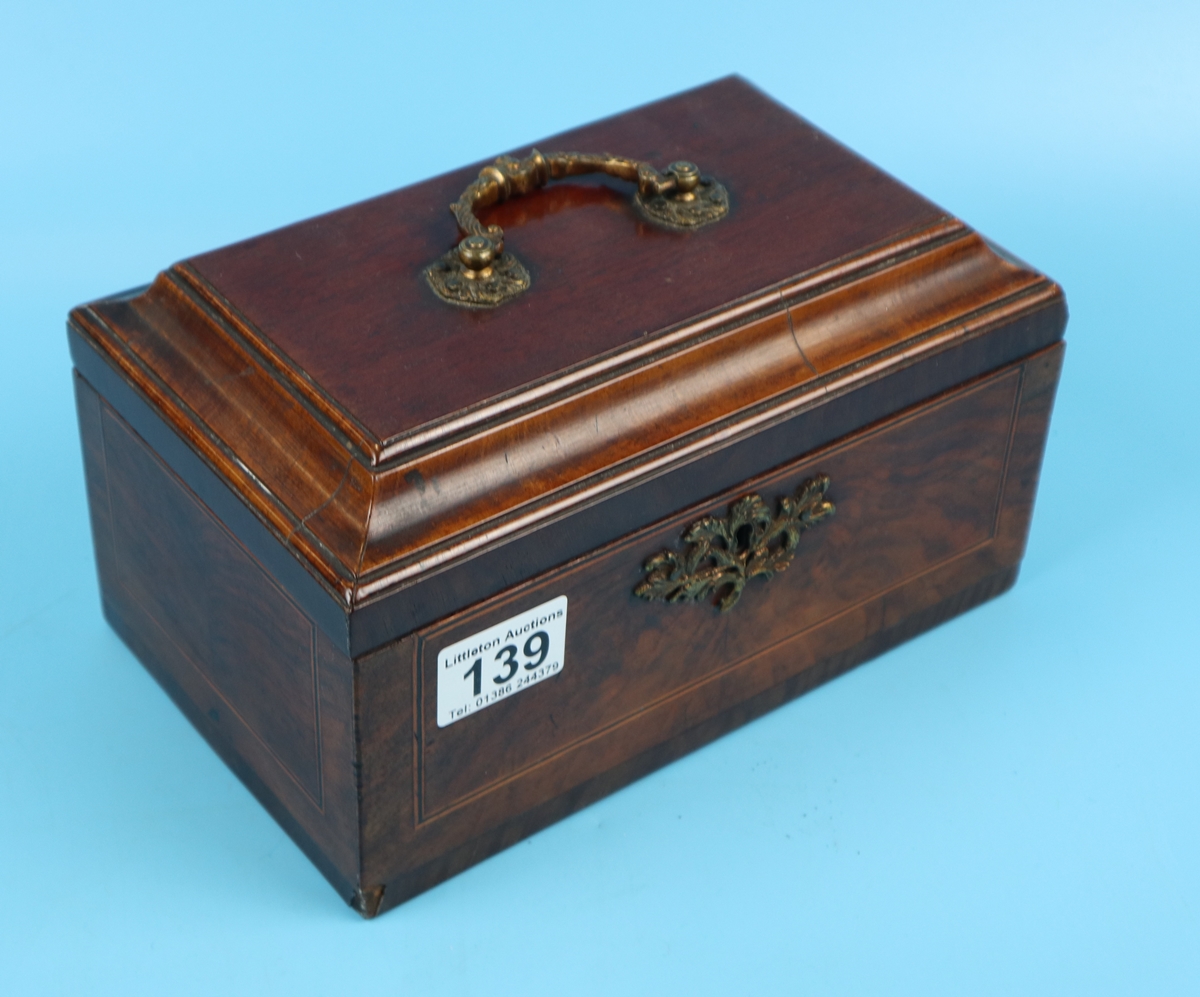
(383, 433)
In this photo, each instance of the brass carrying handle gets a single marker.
(478, 273)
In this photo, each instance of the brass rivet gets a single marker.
(687, 177)
(477, 253)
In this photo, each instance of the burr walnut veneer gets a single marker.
(316, 487)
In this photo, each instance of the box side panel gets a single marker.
(933, 511)
(255, 675)
(267, 546)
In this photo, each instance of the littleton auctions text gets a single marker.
(532, 624)
(487, 645)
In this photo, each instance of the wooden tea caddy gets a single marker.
(440, 527)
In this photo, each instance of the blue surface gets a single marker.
(1006, 805)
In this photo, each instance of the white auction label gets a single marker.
(500, 661)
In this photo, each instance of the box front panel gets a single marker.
(932, 512)
(633, 670)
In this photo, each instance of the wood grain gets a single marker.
(393, 810)
(254, 675)
(905, 504)
(305, 473)
(961, 470)
(341, 295)
(385, 436)
(370, 531)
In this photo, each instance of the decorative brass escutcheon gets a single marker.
(726, 553)
(478, 273)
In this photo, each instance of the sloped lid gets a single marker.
(382, 432)
(341, 297)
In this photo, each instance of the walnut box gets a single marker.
(439, 526)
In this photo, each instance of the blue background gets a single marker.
(1006, 805)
